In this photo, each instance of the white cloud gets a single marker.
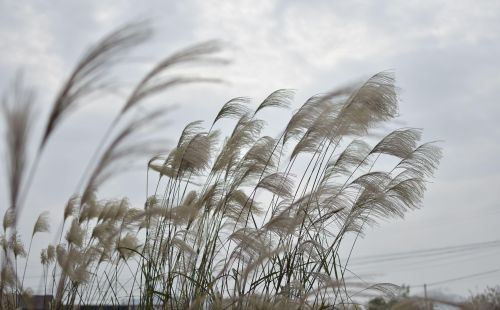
(260, 47)
(29, 46)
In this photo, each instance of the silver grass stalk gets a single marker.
(41, 225)
(17, 110)
(89, 75)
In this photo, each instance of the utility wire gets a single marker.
(425, 252)
(436, 261)
(435, 255)
(474, 275)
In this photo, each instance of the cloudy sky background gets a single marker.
(444, 54)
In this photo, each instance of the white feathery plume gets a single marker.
(399, 143)
(4, 243)
(16, 245)
(127, 245)
(75, 234)
(43, 257)
(8, 276)
(277, 183)
(281, 98)
(423, 160)
(352, 156)
(375, 101)
(8, 219)
(234, 108)
(41, 224)
(51, 253)
(71, 207)
(17, 108)
(88, 77)
(153, 82)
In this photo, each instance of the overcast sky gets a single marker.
(444, 55)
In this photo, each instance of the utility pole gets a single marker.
(425, 296)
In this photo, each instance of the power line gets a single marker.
(474, 275)
(436, 261)
(437, 249)
(425, 252)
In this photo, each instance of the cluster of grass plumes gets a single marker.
(236, 219)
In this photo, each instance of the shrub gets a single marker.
(489, 299)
